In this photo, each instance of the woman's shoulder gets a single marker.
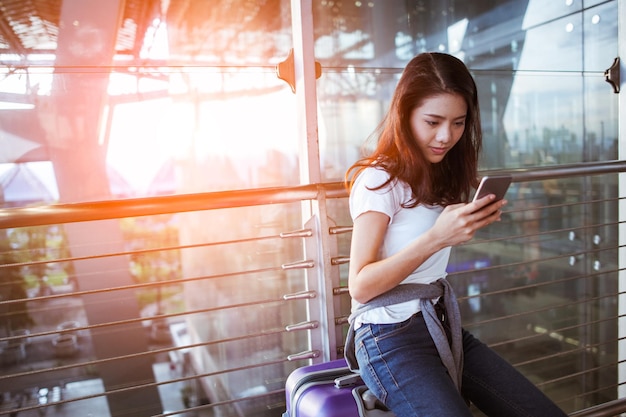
(378, 181)
(372, 191)
(374, 176)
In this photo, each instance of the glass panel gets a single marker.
(553, 45)
(590, 3)
(211, 279)
(600, 37)
(222, 128)
(526, 57)
(539, 12)
(237, 287)
(542, 121)
(546, 286)
(601, 104)
(195, 106)
(600, 123)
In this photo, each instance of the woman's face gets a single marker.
(438, 124)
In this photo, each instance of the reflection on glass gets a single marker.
(543, 120)
(526, 57)
(539, 12)
(600, 36)
(193, 106)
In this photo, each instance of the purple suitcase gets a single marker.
(327, 389)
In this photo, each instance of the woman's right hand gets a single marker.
(459, 222)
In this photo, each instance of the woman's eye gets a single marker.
(431, 123)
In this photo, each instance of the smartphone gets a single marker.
(496, 184)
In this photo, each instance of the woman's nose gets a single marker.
(444, 134)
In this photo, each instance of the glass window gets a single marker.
(196, 105)
(526, 57)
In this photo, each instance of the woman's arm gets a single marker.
(370, 276)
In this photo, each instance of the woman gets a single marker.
(409, 203)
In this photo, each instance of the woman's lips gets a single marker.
(439, 151)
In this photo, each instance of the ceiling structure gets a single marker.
(32, 26)
(29, 38)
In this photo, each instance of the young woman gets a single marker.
(409, 203)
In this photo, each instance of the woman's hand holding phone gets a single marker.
(496, 185)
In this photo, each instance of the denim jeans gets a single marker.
(400, 365)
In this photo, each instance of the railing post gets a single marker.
(621, 358)
(306, 95)
(322, 276)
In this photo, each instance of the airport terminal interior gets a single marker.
(174, 223)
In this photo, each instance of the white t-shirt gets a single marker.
(405, 225)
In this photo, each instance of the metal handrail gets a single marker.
(146, 206)
(608, 409)
(106, 210)
(564, 171)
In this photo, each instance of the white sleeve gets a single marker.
(363, 198)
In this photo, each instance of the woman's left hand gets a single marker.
(459, 222)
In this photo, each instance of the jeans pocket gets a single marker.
(383, 331)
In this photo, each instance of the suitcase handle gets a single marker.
(368, 405)
(348, 380)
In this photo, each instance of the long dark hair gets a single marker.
(451, 180)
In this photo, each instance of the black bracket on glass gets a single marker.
(612, 75)
(286, 71)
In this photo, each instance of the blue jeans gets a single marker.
(400, 365)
